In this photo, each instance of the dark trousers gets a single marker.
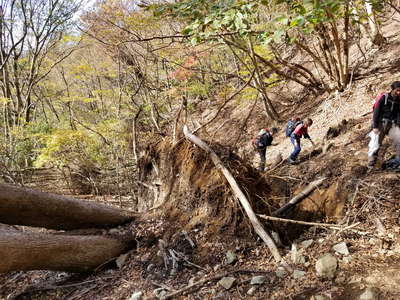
(261, 153)
(297, 147)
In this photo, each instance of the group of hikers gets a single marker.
(295, 130)
(385, 121)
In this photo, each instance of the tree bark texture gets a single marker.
(22, 206)
(237, 192)
(32, 251)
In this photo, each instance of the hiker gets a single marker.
(301, 130)
(386, 115)
(261, 142)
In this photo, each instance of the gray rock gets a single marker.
(307, 243)
(326, 266)
(136, 296)
(160, 292)
(296, 256)
(230, 257)
(150, 267)
(298, 274)
(280, 272)
(347, 259)
(120, 261)
(355, 280)
(258, 280)
(252, 291)
(370, 293)
(227, 282)
(222, 296)
(341, 248)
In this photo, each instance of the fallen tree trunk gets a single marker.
(31, 251)
(237, 192)
(299, 197)
(22, 206)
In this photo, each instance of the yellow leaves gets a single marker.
(263, 51)
(82, 69)
(139, 21)
(64, 146)
(70, 39)
(103, 93)
(225, 92)
(249, 93)
(66, 99)
(4, 100)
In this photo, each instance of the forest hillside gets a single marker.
(127, 164)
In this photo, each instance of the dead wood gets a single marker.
(331, 226)
(237, 192)
(22, 251)
(299, 197)
(22, 206)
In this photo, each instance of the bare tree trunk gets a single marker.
(238, 193)
(134, 135)
(32, 251)
(23, 206)
(299, 197)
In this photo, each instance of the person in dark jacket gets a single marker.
(300, 131)
(261, 142)
(386, 114)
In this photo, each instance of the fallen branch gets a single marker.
(299, 197)
(332, 226)
(237, 192)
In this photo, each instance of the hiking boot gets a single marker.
(291, 161)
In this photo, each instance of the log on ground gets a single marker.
(32, 251)
(22, 206)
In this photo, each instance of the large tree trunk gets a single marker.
(32, 251)
(21, 206)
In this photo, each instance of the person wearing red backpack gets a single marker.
(261, 142)
(301, 130)
(386, 114)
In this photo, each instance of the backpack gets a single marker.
(291, 125)
(263, 139)
(378, 98)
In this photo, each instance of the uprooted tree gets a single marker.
(62, 252)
